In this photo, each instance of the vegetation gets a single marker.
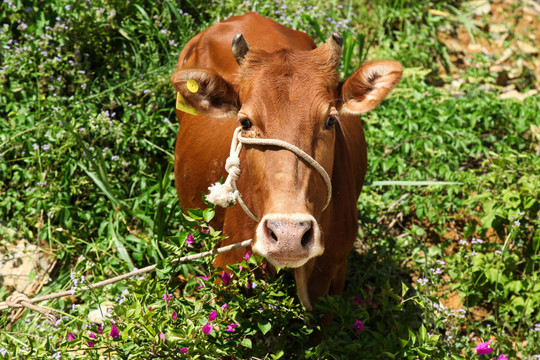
(86, 142)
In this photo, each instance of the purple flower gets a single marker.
(90, 344)
(92, 335)
(71, 336)
(483, 348)
(226, 278)
(224, 307)
(212, 316)
(100, 329)
(174, 316)
(207, 328)
(114, 332)
(189, 239)
(247, 256)
(162, 336)
(358, 326)
(184, 350)
(502, 357)
(231, 327)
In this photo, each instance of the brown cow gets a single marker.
(276, 83)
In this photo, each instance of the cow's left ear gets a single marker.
(369, 85)
(206, 91)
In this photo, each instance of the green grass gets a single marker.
(86, 142)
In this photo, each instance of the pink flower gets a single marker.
(206, 231)
(114, 332)
(483, 348)
(502, 357)
(212, 316)
(71, 336)
(92, 335)
(226, 278)
(207, 328)
(91, 344)
(100, 329)
(189, 239)
(167, 297)
(358, 326)
(149, 308)
(201, 285)
(231, 327)
(359, 301)
(184, 350)
(162, 336)
(224, 307)
(247, 256)
(174, 316)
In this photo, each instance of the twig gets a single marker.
(19, 300)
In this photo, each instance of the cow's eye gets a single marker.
(246, 123)
(330, 122)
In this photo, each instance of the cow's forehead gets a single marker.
(287, 80)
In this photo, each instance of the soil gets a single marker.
(502, 35)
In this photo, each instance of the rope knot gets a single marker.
(16, 300)
(232, 166)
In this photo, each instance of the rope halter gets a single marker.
(227, 193)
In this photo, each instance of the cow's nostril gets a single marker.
(307, 237)
(273, 235)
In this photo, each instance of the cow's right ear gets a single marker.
(207, 92)
(369, 85)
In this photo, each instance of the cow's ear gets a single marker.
(206, 91)
(369, 85)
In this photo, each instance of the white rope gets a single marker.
(227, 193)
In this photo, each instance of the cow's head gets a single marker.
(294, 96)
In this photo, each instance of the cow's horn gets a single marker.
(335, 44)
(331, 50)
(338, 40)
(240, 48)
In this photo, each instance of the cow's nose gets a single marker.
(290, 232)
(288, 240)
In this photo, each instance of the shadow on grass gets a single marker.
(378, 294)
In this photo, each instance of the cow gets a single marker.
(253, 77)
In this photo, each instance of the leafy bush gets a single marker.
(85, 172)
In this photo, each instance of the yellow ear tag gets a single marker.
(182, 105)
(192, 86)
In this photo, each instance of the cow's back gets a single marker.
(211, 49)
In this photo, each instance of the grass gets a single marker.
(438, 270)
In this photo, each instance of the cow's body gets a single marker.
(275, 183)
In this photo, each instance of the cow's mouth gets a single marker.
(288, 240)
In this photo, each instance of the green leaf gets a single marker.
(195, 214)
(422, 332)
(208, 214)
(265, 327)
(246, 343)
(120, 248)
(514, 286)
